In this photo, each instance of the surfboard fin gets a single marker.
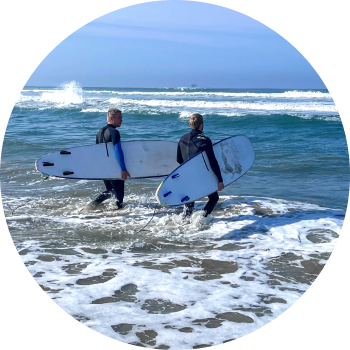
(68, 172)
(48, 164)
(185, 199)
(175, 176)
(167, 194)
(65, 152)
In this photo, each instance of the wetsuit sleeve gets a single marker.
(212, 159)
(118, 149)
(179, 158)
(98, 137)
(115, 136)
(120, 155)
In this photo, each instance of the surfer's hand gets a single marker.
(125, 175)
(220, 186)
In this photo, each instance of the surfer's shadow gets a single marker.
(262, 224)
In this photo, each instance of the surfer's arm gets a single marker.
(118, 149)
(212, 160)
(179, 158)
(120, 155)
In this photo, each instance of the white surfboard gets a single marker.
(195, 179)
(143, 159)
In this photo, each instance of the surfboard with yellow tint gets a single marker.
(195, 179)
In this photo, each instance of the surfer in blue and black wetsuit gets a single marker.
(109, 133)
(191, 144)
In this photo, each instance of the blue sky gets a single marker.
(174, 44)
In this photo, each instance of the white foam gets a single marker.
(65, 94)
(185, 114)
(224, 105)
(232, 104)
(189, 93)
(259, 239)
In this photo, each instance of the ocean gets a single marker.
(178, 285)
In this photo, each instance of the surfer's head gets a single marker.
(114, 117)
(196, 120)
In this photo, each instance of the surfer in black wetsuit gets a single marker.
(109, 133)
(191, 144)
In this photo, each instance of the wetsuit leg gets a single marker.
(106, 194)
(118, 186)
(188, 209)
(213, 199)
(108, 185)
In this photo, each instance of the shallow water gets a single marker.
(178, 284)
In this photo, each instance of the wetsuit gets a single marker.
(109, 133)
(189, 145)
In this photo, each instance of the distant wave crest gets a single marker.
(181, 101)
(66, 94)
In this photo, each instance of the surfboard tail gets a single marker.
(193, 180)
(157, 197)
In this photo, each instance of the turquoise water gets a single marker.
(299, 140)
(178, 285)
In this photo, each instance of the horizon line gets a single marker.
(180, 87)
